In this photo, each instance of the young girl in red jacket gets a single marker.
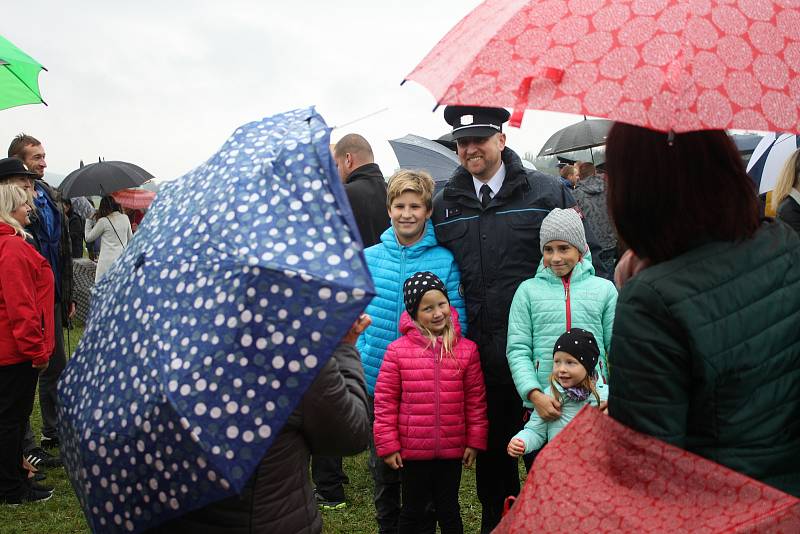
(430, 405)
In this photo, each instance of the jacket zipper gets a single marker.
(436, 401)
(402, 279)
(565, 281)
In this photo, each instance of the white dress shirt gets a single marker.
(494, 184)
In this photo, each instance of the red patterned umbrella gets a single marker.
(599, 476)
(663, 64)
(137, 199)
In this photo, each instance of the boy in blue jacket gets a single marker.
(407, 247)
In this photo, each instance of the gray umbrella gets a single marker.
(585, 134)
(415, 152)
(103, 178)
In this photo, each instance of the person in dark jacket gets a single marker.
(706, 346)
(489, 215)
(590, 194)
(330, 419)
(365, 186)
(76, 226)
(786, 195)
(47, 223)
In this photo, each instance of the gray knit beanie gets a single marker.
(563, 225)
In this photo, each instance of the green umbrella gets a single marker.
(19, 77)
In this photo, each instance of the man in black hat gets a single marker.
(488, 215)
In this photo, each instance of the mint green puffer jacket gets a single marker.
(544, 308)
(538, 432)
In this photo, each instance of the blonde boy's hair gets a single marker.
(403, 181)
(11, 197)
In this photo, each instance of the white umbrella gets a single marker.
(768, 159)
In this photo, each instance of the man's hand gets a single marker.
(40, 366)
(546, 406)
(359, 326)
(469, 457)
(516, 448)
(71, 310)
(394, 460)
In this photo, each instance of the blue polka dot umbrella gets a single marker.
(203, 336)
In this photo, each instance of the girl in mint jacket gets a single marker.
(564, 294)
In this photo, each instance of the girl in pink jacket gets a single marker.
(430, 405)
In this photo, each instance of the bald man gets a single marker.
(365, 186)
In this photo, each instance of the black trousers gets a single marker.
(329, 477)
(426, 481)
(496, 473)
(48, 380)
(17, 390)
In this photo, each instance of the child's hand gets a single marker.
(469, 457)
(546, 406)
(516, 448)
(603, 407)
(394, 460)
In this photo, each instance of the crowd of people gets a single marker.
(495, 321)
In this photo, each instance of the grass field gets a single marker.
(63, 515)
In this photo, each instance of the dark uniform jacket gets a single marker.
(705, 354)
(789, 212)
(331, 419)
(497, 249)
(64, 250)
(366, 191)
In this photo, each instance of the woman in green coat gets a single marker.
(706, 346)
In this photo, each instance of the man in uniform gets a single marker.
(489, 215)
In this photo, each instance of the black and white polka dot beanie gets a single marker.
(416, 286)
(581, 345)
(563, 225)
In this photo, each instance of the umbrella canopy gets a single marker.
(415, 152)
(588, 133)
(19, 77)
(205, 333)
(669, 65)
(103, 178)
(768, 158)
(136, 199)
(600, 476)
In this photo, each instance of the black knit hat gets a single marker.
(416, 286)
(581, 345)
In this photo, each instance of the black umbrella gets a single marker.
(585, 134)
(103, 178)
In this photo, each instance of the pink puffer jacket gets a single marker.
(427, 408)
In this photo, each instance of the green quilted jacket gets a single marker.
(706, 354)
(543, 309)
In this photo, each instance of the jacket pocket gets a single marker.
(449, 231)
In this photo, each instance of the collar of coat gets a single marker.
(461, 185)
(369, 171)
(427, 241)
(582, 270)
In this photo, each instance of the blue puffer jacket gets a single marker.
(390, 263)
(541, 311)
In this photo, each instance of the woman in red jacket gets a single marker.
(430, 405)
(27, 296)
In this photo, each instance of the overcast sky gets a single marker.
(163, 84)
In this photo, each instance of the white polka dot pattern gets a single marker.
(689, 65)
(204, 334)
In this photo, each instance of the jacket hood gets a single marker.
(516, 175)
(593, 185)
(427, 241)
(7, 229)
(409, 328)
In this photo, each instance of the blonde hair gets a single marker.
(448, 336)
(403, 181)
(11, 197)
(788, 178)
